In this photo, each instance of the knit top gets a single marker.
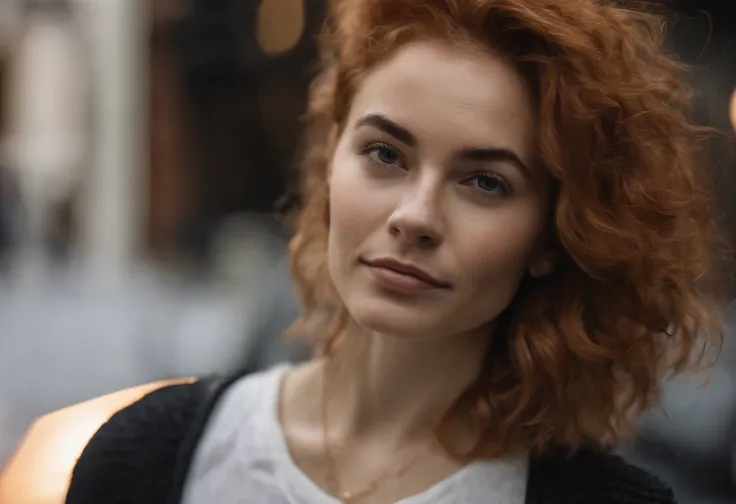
(149, 453)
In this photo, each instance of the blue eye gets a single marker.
(383, 154)
(489, 183)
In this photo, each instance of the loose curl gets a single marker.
(635, 293)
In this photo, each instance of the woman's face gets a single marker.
(437, 210)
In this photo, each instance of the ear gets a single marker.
(543, 263)
(543, 259)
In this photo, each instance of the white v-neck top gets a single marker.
(243, 458)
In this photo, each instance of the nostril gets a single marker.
(427, 241)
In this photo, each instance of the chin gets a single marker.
(386, 317)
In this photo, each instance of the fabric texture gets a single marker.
(243, 457)
(144, 453)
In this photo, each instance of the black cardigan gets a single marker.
(143, 453)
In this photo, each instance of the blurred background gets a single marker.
(144, 145)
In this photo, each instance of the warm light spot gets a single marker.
(732, 110)
(279, 25)
(40, 470)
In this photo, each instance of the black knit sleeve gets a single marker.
(136, 457)
(633, 484)
(594, 477)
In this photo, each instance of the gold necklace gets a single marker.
(348, 497)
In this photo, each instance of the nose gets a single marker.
(417, 219)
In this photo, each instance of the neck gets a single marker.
(398, 389)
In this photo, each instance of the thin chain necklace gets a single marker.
(345, 496)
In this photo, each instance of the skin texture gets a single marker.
(445, 200)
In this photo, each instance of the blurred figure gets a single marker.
(8, 212)
(46, 141)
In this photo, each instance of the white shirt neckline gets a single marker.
(302, 489)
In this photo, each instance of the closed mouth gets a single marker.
(407, 269)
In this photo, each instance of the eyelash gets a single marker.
(371, 148)
(502, 184)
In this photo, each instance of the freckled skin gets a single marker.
(482, 241)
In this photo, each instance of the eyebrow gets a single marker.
(389, 127)
(487, 154)
(496, 155)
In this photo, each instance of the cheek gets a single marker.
(346, 217)
(359, 207)
(495, 256)
(357, 211)
(348, 206)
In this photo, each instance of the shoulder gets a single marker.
(144, 452)
(241, 426)
(594, 476)
(136, 453)
(42, 465)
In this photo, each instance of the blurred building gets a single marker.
(195, 111)
(232, 75)
(166, 182)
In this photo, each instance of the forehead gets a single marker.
(461, 95)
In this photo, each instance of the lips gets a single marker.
(408, 270)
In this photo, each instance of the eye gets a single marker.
(489, 183)
(383, 154)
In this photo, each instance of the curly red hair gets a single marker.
(635, 292)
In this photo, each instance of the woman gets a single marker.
(505, 242)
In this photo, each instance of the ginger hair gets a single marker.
(636, 293)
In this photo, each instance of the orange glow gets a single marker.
(280, 25)
(40, 470)
(732, 110)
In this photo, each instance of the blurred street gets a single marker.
(75, 336)
(74, 341)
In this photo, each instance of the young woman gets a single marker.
(505, 243)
